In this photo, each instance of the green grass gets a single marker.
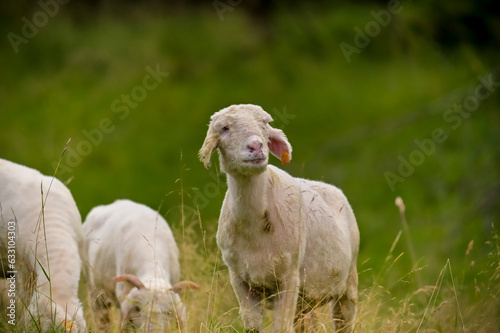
(349, 124)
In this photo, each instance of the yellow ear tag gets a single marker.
(285, 157)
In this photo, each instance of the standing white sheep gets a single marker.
(287, 240)
(133, 261)
(40, 239)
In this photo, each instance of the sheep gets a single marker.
(289, 241)
(41, 239)
(133, 260)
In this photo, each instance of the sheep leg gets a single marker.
(344, 309)
(305, 318)
(286, 303)
(251, 310)
(343, 313)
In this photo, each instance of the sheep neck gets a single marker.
(248, 194)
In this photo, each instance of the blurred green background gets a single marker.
(82, 70)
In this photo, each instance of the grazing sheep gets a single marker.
(40, 236)
(133, 260)
(287, 240)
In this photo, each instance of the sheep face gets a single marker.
(153, 311)
(244, 138)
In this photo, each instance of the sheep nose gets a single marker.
(255, 147)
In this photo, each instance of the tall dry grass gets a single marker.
(466, 301)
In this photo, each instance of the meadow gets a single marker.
(116, 104)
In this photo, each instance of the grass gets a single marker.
(445, 306)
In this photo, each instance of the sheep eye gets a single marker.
(225, 129)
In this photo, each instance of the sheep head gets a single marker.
(244, 138)
(156, 307)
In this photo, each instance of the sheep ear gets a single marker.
(130, 278)
(68, 325)
(279, 145)
(179, 286)
(209, 145)
(125, 307)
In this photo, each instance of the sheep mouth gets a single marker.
(256, 161)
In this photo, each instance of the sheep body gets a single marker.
(51, 238)
(292, 238)
(302, 211)
(129, 239)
